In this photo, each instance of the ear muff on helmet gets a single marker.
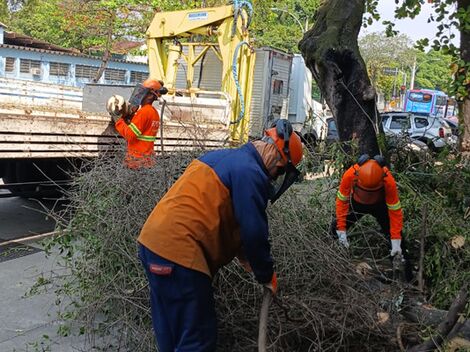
(284, 130)
(287, 142)
(380, 160)
(289, 146)
(362, 159)
(365, 157)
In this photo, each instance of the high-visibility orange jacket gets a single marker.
(140, 135)
(346, 189)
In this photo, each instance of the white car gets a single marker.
(433, 131)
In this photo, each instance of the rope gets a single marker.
(237, 83)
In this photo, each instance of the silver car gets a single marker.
(433, 131)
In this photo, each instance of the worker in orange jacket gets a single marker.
(215, 211)
(141, 132)
(368, 187)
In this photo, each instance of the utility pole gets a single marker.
(413, 74)
(402, 94)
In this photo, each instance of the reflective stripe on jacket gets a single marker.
(392, 200)
(140, 135)
(214, 210)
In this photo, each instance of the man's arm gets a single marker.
(395, 212)
(249, 200)
(132, 131)
(342, 199)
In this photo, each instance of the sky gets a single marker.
(416, 28)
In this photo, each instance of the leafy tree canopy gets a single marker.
(387, 61)
(383, 55)
(433, 70)
(86, 24)
(4, 13)
(281, 24)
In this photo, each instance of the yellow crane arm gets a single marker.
(216, 25)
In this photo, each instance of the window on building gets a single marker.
(138, 77)
(112, 74)
(59, 69)
(278, 86)
(30, 66)
(10, 64)
(83, 71)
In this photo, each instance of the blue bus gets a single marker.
(428, 102)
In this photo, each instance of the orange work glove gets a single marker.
(273, 284)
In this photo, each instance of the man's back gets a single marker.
(197, 223)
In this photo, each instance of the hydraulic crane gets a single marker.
(224, 30)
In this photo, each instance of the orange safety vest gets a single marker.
(348, 187)
(140, 135)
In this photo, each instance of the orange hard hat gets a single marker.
(295, 144)
(370, 175)
(152, 84)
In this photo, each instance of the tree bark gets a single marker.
(446, 325)
(464, 110)
(331, 52)
(107, 50)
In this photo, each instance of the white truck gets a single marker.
(45, 132)
(42, 138)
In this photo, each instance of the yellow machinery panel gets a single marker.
(224, 31)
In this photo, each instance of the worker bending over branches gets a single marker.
(214, 212)
(368, 187)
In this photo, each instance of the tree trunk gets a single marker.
(331, 51)
(107, 50)
(465, 55)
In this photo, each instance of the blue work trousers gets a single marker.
(182, 302)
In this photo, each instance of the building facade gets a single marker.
(26, 58)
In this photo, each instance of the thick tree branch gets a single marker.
(331, 52)
(447, 325)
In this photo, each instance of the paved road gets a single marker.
(21, 217)
(24, 319)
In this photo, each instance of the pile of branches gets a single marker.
(324, 302)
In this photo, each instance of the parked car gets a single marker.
(319, 128)
(433, 131)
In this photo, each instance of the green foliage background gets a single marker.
(83, 24)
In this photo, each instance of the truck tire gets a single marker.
(8, 174)
(39, 173)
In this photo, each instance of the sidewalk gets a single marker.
(26, 320)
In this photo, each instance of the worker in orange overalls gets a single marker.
(215, 211)
(141, 132)
(368, 187)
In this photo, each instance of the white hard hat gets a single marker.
(115, 105)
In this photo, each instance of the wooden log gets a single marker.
(446, 325)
